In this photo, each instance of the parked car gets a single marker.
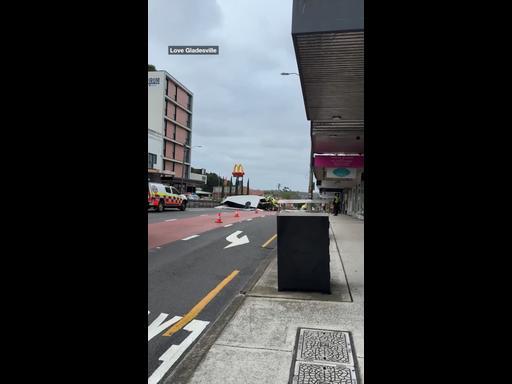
(162, 196)
(192, 196)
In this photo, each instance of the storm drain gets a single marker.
(322, 357)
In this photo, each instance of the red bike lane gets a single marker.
(167, 232)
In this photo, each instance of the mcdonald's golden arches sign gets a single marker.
(238, 170)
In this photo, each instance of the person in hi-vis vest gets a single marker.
(336, 204)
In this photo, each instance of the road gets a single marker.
(171, 213)
(192, 275)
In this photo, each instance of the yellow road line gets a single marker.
(200, 306)
(269, 241)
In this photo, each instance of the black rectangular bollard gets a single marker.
(303, 252)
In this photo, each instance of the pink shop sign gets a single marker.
(339, 161)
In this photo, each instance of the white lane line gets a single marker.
(228, 225)
(248, 220)
(190, 237)
(171, 220)
(203, 215)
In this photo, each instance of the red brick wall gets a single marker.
(182, 98)
(170, 129)
(178, 169)
(169, 147)
(170, 110)
(179, 153)
(181, 135)
(168, 165)
(181, 117)
(171, 89)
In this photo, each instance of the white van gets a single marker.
(164, 196)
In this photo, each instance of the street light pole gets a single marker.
(311, 188)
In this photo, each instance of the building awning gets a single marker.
(331, 68)
(337, 136)
(328, 37)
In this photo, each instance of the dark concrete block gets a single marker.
(303, 252)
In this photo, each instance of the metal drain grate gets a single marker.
(313, 373)
(321, 346)
(322, 357)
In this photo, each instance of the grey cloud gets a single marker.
(244, 111)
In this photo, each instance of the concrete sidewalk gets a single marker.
(259, 343)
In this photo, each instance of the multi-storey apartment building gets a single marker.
(169, 129)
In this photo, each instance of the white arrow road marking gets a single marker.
(169, 357)
(234, 240)
(158, 325)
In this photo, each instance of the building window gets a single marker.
(151, 160)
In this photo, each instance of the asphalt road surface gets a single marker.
(195, 268)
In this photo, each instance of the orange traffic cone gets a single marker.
(219, 219)
(237, 214)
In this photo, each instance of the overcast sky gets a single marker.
(244, 110)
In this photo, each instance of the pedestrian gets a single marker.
(336, 204)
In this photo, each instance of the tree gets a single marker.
(151, 67)
(289, 194)
(212, 180)
(285, 193)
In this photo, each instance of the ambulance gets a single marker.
(164, 196)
